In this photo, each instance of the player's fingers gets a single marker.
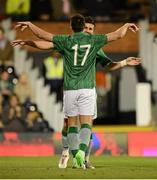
(14, 44)
(134, 61)
(23, 28)
(133, 28)
(22, 23)
(17, 26)
(138, 59)
(137, 62)
(17, 41)
(136, 28)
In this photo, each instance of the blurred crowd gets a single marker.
(18, 112)
(60, 10)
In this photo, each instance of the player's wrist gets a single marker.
(123, 63)
(29, 24)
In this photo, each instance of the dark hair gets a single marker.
(77, 23)
(90, 20)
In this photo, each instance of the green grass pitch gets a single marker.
(121, 167)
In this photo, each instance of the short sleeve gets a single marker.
(59, 42)
(100, 40)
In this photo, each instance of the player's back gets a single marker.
(79, 53)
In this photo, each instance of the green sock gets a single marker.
(73, 140)
(85, 134)
(65, 140)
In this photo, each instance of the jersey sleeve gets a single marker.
(102, 58)
(100, 40)
(59, 42)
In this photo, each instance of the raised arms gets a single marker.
(111, 65)
(43, 45)
(44, 35)
(38, 32)
(121, 32)
(130, 61)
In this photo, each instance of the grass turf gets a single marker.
(121, 167)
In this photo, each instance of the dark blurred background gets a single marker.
(53, 16)
(60, 10)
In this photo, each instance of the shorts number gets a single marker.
(75, 47)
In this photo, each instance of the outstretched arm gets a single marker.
(121, 32)
(130, 61)
(43, 45)
(38, 32)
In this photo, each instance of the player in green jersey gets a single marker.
(79, 52)
(109, 65)
(104, 60)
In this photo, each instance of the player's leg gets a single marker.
(71, 111)
(64, 134)
(65, 152)
(84, 136)
(73, 139)
(88, 151)
(88, 164)
(86, 111)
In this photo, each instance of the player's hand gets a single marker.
(22, 25)
(18, 42)
(132, 27)
(133, 61)
(124, 29)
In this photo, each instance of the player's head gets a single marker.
(89, 25)
(77, 23)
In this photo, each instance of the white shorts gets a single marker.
(80, 102)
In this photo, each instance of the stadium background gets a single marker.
(127, 124)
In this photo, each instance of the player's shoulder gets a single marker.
(61, 36)
(92, 36)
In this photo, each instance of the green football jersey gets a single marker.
(79, 54)
(103, 59)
